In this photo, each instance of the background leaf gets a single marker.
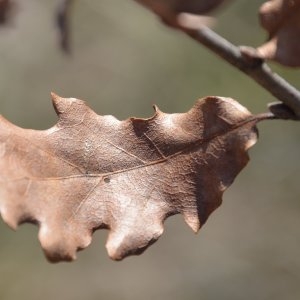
(281, 18)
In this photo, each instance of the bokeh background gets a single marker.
(123, 62)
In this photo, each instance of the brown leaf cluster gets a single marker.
(90, 172)
(281, 18)
(170, 10)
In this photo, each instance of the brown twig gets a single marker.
(245, 60)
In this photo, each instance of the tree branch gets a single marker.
(245, 59)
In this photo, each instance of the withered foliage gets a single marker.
(90, 172)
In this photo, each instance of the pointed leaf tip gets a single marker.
(72, 107)
(157, 111)
(57, 103)
(9, 219)
(61, 104)
(54, 96)
(192, 220)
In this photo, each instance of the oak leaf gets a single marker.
(182, 13)
(281, 18)
(90, 172)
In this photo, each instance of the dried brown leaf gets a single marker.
(281, 18)
(170, 10)
(89, 172)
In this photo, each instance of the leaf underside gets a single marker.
(90, 172)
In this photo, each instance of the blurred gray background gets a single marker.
(124, 61)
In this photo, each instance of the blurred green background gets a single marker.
(124, 61)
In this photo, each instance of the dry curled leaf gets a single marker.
(170, 11)
(281, 18)
(89, 172)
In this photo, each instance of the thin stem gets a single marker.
(245, 60)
